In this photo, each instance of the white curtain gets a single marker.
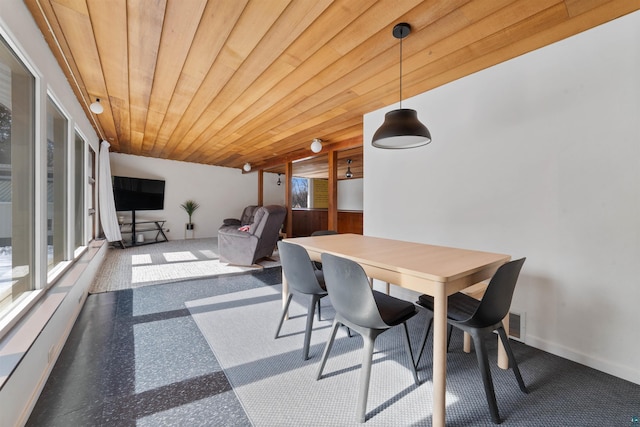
(108, 215)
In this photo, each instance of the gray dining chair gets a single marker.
(303, 279)
(368, 312)
(317, 264)
(480, 318)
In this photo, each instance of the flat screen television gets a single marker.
(138, 194)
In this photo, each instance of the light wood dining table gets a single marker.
(434, 270)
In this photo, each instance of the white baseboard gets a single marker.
(624, 372)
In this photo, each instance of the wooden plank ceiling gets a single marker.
(226, 82)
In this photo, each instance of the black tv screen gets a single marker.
(138, 194)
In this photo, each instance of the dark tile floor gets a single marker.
(136, 358)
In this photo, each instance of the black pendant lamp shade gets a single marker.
(401, 127)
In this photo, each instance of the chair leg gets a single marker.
(284, 315)
(319, 317)
(512, 358)
(315, 299)
(425, 335)
(483, 364)
(407, 345)
(327, 348)
(365, 377)
(423, 341)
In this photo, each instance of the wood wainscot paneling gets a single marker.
(350, 222)
(306, 221)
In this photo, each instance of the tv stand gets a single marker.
(134, 228)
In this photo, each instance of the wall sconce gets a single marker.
(348, 174)
(96, 107)
(316, 145)
(278, 182)
(246, 167)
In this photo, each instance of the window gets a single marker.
(57, 127)
(79, 192)
(299, 192)
(17, 194)
(45, 182)
(91, 232)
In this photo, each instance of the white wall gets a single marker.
(350, 194)
(221, 192)
(272, 193)
(535, 157)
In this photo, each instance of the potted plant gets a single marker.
(190, 207)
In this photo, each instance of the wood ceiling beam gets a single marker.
(305, 154)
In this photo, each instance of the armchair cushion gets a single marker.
(257, 221)
(247, 214)
(232, 221)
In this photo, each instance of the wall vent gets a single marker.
(516, 325)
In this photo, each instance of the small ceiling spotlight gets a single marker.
(96, 107)
(279, 182)
(246, 167)
(348, 174)
(316, 145)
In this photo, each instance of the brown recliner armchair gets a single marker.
(246, 247)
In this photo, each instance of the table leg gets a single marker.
(285, 293)
(503, 359)
(439, 357)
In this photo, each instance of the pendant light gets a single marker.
(348, 174)
(401, 127)
(247, 167)
(279, 182)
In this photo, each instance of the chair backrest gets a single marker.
(324, 233)
(350, 293)
(266, 227)
(268, 220)
(496, 301)
(297, 268)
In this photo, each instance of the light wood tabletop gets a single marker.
(438, 271)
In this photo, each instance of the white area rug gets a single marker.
(166, 262)
(277, 388)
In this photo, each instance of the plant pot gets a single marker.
(190, 226)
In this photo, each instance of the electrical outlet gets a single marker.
(51, 354)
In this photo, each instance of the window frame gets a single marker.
(42, 279)
(58, 269)
(17, 311)
(85, 182)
